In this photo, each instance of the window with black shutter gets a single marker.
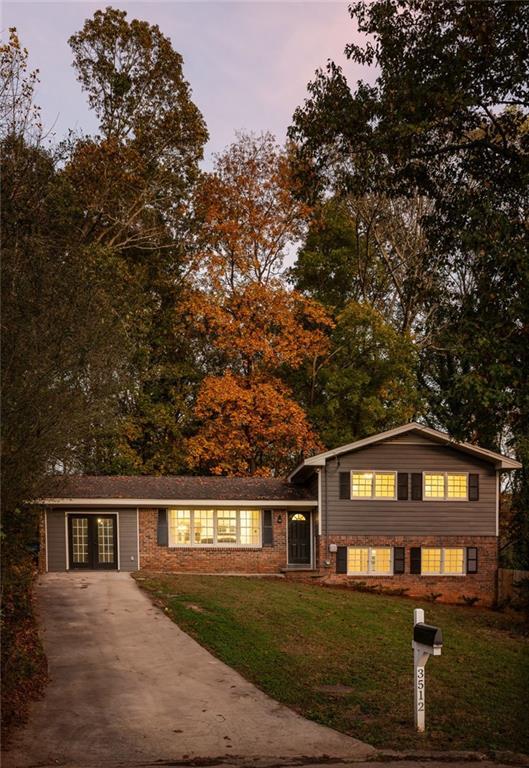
(415, 560)
(399, 559)
(345, 485)
(341, 560)
(402, 486)
(162, 530)
(473, 487)
(268, 528)
(416, 486)
(472, 559)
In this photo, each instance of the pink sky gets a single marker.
(247, 63)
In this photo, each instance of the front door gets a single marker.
(299, 538)
(92, 541)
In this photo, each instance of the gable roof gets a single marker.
(499, 460)
(147, 490)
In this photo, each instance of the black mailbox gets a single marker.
(426, 634)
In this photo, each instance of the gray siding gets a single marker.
(128, 537)
(399, 518)
(56, 542)
(128, 540)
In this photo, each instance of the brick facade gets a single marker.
(481, 584)
(215, 559)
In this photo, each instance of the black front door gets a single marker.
(92, 541)
(299, 538)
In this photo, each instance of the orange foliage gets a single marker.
(249, 423)
(255, 429)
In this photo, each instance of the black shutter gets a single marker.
(416, 486)
(163, 536)
(268, 529)
(399, 559)
(345, 485)
(415, 560)
(402, 486)
(472, 559)
(341, 560)
(473, 487)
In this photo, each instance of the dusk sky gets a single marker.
(248, 63)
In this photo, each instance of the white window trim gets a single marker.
(214, 544)
(368, 572)
(445, 497)
(373, 481)
(442, 572)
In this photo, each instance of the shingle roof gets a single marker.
(178, 487)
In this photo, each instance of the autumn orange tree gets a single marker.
(248, 420)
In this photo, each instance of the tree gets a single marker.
(135, 181)
(447, 118)
(366, 383)
(372, 250)
(64, 356)
(248, 420)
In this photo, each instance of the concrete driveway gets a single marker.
(128, 687)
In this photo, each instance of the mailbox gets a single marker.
(427, 641)
(426, 634)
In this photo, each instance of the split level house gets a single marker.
(407, 509)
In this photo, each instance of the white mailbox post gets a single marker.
(427, 641)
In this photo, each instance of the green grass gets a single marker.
(290, 638)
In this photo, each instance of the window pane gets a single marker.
(105, 539)
(454, 561)
(180, 526)
(434, 485)
(430, 560)
(361, 484)
(385, 485)
(357, 559)
(381, 560)
(80, 539)
(250, 523)
(203, 526)
(457, 487)
(226, 526)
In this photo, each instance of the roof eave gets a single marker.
(149, 503)
(500, 461)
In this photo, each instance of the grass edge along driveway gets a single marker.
(294, 640)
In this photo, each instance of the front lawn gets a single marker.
(344, 658)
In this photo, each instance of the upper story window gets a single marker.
(445, 485)
(373, 485)
(214, 527)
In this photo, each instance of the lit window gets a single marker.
(457, 486)
(430, 560)
(454, 561)
(369, 560)
(357, 559)
(203, 526)
(373, 485)
(380, 561)
(214, 527)
(385, 485)
(434, 485)
(180, 526)
(362, 484)
(446, 485)
(449, 560)
(250, 527)
(226, 526)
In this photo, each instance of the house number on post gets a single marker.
(427, 641)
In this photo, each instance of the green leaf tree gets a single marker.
(446, 118)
